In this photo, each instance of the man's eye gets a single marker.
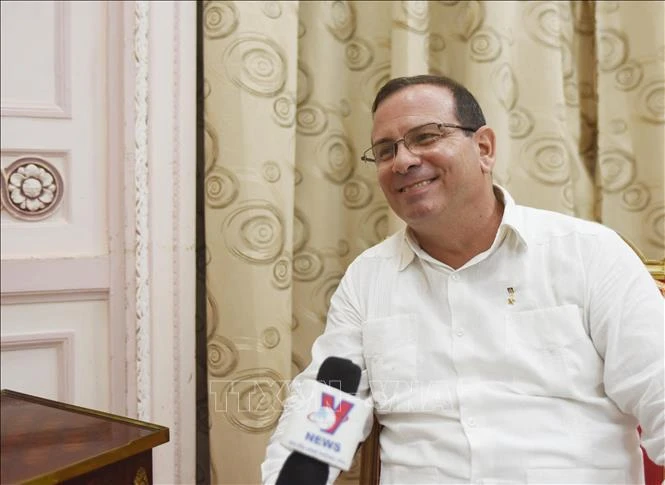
(425, 138)
(383, 151)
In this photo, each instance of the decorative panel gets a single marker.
(35, 59)
(41, 364)
(71, 336)
(56, 203)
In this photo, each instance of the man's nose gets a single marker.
(403, 159)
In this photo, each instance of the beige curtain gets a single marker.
(574, 90)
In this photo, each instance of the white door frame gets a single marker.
(152, 153)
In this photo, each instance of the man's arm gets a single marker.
(342, 337)
(626, 315)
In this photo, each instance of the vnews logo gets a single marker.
(328, 417)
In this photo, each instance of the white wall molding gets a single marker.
(56, 296)
(141, 204)
(177, 267)
(172, 155)
(158, 232)
(20, 152)
(62, 342)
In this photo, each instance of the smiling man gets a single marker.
(497, 343)
(442, 179)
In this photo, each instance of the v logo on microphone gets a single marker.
(340, 412)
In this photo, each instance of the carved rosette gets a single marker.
(32, 189)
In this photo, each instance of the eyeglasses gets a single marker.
(417, 140)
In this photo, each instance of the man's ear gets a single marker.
(486, 142)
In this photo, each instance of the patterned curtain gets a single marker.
(574, 90)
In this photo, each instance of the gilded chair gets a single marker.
(370, 459)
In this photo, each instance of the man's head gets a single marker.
(434, 153)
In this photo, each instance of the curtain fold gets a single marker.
(631, 114)
(573, 89)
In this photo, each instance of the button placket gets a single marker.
(455, 277)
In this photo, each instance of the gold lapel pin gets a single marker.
(511, 295)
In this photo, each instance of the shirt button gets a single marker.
(455, 277)
(459, 332)
(471, 422)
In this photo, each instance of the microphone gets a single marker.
(299, 468)
(340, 374)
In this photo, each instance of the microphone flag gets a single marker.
(327, 424)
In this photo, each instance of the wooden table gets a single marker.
(46, 442)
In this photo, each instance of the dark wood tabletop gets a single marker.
(45, 441)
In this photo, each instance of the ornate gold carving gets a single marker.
(141, 477)
(32, 190)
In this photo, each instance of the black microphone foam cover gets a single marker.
(339, 373)
(301, 469)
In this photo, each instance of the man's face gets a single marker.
(449, 177)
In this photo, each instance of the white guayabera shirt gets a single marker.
(533, 363)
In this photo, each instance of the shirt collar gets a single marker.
(511, 221)
(512, 216)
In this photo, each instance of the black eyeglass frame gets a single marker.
(368, 155)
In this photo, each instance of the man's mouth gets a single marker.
(417, 185)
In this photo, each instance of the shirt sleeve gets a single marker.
(626, 317)
(342, 337)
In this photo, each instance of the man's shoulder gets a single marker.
(383, 256)
(389, 248)
(541, 225)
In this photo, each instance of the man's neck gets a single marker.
(455, 242)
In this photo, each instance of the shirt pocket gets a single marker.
(541, 347)
(390, 348)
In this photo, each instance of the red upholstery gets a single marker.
(653, 474)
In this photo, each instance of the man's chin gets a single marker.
(417, 216)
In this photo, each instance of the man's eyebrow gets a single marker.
(392, 140)
(381, 140)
